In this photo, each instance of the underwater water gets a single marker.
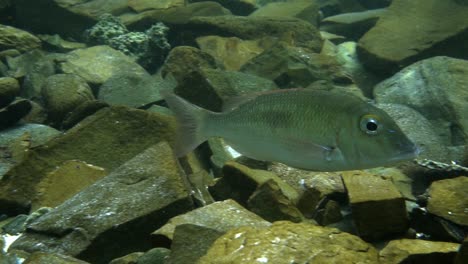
(240, 131)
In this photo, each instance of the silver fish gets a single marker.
(302, 128)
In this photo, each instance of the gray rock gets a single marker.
(220, 216)
(285, 242)
(437, 88)
(449, 199)
(392, 44)
(97, 64)
(306, 10)
(131, 89)
(154, 256)
(115, 131)
(114, 216)
(9, 88)
(378, 211)
(18, 39)
(63, 93)
(35, 67)
(418, 251)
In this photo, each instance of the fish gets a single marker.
(307, 129)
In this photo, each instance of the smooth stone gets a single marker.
(103, 132)
(233, 52)
(220, 216)
(97, 224)
(291, 67)
(292, 30)
(285, 242)
(9, 88)
(18, 39)
(391, 44)
(13, 113)
(56, 43)
(449, 199)
(63, 93)
(131, 89)
(154, 256)
(418, 251)
(438, 88)
(352, 25)
(39, 134)
(99, 63)
(84, 110)
(47, 258)
(303, 9)
(131, 258)
(239, 182)
(378, 208)
(143, 5)
(237, 7)
(64, 182)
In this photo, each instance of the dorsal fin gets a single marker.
(236, 101)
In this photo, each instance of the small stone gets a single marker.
(219, 216)
(286, 242)
(378, 209)
(449, 199)
(64, 182)
(144, 5)
(48, 258)
(21, 40)
(306, 10)
(56, 43)
(13, 113)
(9, 88)
(63, 93)
(331, 213)
(154, 256)
(131, 258)
(418, 251)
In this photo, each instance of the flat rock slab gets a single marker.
(114, 216)
(286, 242)
(106, 139)
(449, 199)
(378, 208)
(418, 251)
(393, 43)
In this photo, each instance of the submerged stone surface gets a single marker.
(418, 251)
(18, 39)
(286, 242)
(114, 216)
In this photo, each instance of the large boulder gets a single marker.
(13, 38)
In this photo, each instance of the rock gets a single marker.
(97, 64)
(64, 182)
(237, 7)
(96, 140)
(191, 242)
(131, 258)
(219, 216)
(378, 209)
(233, 52)
(329, 214)
(143, 5)
(449, 199)
(418, 251)
(184, 59)
(63, 93)
(56, 43)
(9, 88)
(462, 255)
(39, 134)
(97, 224)
(286, 242)
(419, 130)
(18, 39)
(292, 30)
(391, 44)
(11, 114)
(131, 89)
(239, 182)
(212, 88)
(292, 67)
(84, 110)
(47, 258)
(35, 67)
(176, 15)
(75, 16)
(372, 4)
(154, 256)
(269, 202)
(438, 88)
(352, 25)
(199, 181)
(107, 28)
(306, 10)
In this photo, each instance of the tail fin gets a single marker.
(191, 121)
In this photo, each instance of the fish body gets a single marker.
(306, 129)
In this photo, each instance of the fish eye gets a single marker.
(370, 124)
